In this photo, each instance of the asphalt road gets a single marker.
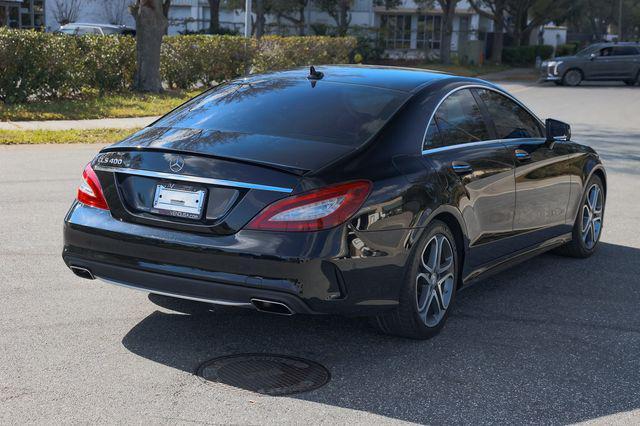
(553, 340)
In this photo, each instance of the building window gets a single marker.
(429, 32)
(396, 31)
(22, 13)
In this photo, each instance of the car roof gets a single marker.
(385, 77)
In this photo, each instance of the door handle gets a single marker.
(461, 167)
(522, 155)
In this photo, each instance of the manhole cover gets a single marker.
(266, 373)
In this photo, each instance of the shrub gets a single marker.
(526, 55)
(35, 65)
(39, 65)
(276, 52)
(109, 64)
(201, 59)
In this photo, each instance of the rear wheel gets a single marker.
(572, 78)
(429, 289)
(588, 225)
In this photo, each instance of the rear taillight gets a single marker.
(90, 190)
(315, 210)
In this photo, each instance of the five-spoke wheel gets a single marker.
(587, 228)
(428, 292)
(592, 216)
(435, 280)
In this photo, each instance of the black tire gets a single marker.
(406, 321)
(572, 77)
(577, 247)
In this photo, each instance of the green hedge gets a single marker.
(38, 66)
(525, 55)
(275, 52)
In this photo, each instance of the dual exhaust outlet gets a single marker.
(262, 305)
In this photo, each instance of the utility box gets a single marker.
(471, 52)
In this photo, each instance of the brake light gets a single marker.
(315, 210)
(90, 190)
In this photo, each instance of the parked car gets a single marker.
(352, 190)
(95, 29)
(604, 61)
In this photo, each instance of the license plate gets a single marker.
(178, 201)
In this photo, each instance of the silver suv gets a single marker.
(603, 61)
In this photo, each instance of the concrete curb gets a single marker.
(104, 123)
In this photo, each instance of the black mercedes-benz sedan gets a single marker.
(346, 190)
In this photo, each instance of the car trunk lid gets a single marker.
(201, 194)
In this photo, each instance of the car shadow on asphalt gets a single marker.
(553, 340)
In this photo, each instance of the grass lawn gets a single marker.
(103, 136)
(93, 106)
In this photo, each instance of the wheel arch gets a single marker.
(599, 171)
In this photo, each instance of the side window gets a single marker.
(510, 119)
(624, 51)
(458, 120)
(607, 51)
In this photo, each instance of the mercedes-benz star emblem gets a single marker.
(176, 164)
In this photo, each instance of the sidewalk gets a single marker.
(104, 123)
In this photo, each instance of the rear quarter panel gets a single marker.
(582, 164)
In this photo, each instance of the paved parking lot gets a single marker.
(554, 340)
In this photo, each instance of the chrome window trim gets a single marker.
(196, 179)
(469, 86)
(460, 145)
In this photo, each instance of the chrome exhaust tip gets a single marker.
(82, 272)
(271, 307)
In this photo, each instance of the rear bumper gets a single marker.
(308, 272)
(188, 288)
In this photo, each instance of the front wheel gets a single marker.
(572, 78)
(429, 289)
(587, 228)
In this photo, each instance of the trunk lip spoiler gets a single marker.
(191, 178)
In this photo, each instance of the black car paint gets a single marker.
(356, 268)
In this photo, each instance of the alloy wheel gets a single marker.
(573, 78)
(436, 279)
(592, 216)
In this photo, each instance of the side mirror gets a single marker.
(557, 130)
(592, 56)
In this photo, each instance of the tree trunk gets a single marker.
(260, 18)
(214, 16)
(497, 47)
(301, 21)
(448, 13)
(343, 22)
(151, 25)
(498, 35)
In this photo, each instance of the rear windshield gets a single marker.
(333, 112)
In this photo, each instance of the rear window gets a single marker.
(333, 112)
